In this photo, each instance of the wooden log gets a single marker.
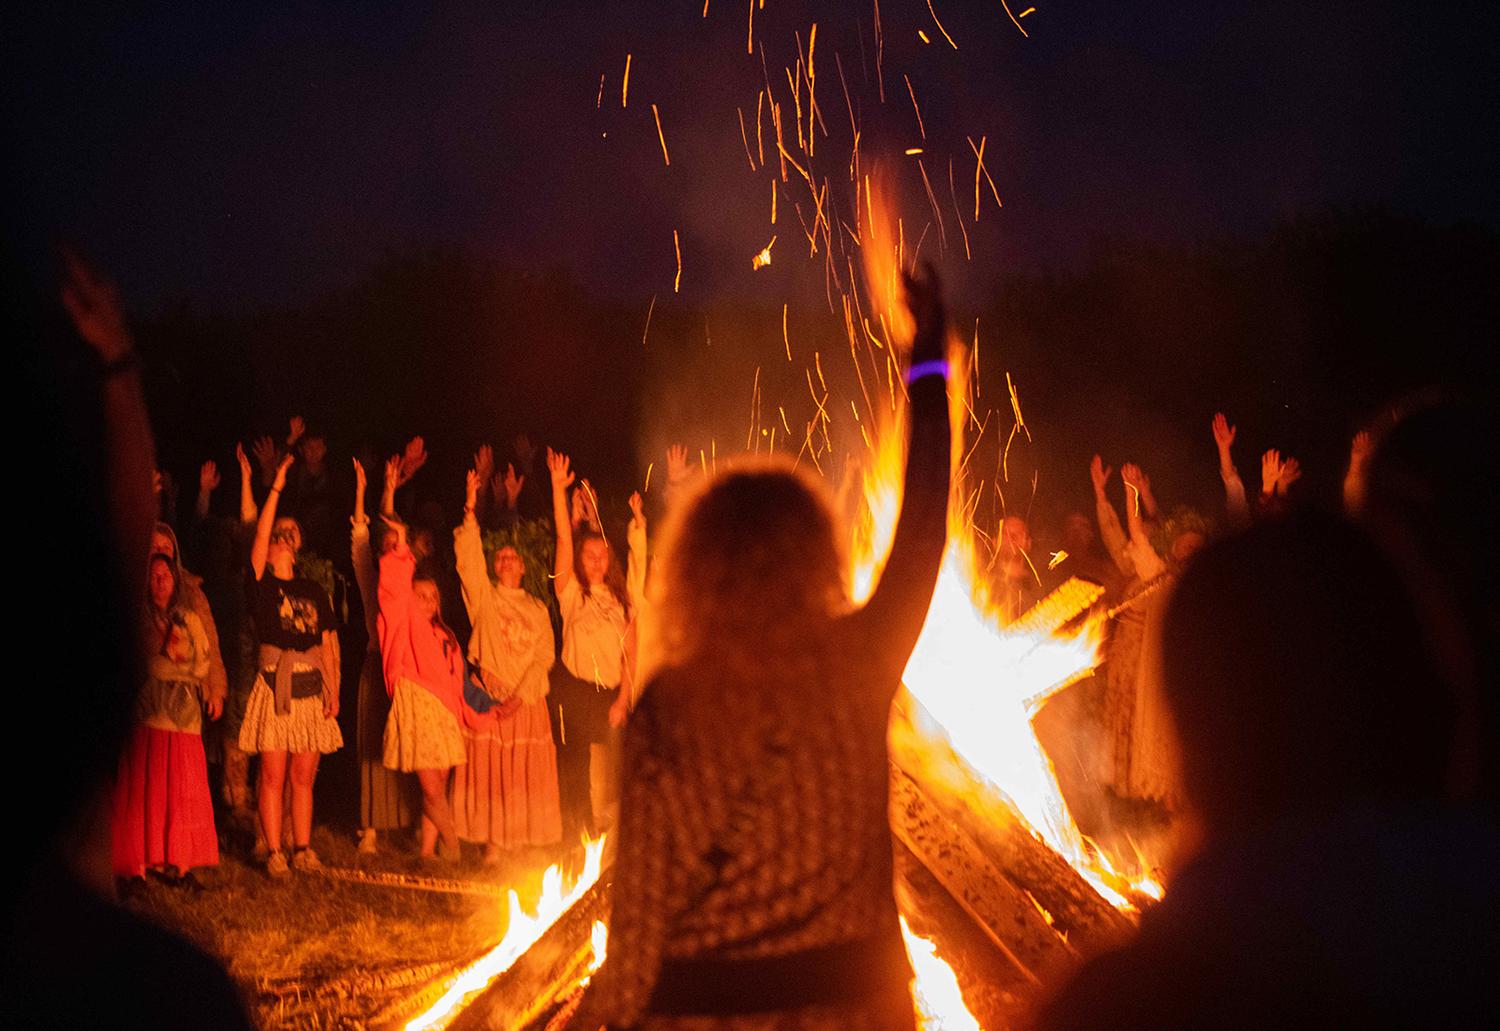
(959, 795)
(1010, 919)
(995, 991)
(550, 968)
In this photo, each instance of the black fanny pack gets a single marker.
(861, 971)
(306, 683)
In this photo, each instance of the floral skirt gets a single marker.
(507, 793)
(162, 811)
(304, 729)
(420, 733)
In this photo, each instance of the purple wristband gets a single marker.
(936, 367)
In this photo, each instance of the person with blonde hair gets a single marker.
(753, 882)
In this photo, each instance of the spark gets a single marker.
(649, 310)
(784, 338)
(763, 259)
(677, 247)
(923, 36)
(750, 33)
(705, 8)
(978, 168)
(1058, 558)
(784, 423)
(599, 101)
(660, 135)
(913, 94)
(647, 488)
(773, 200)
(958, 215)
(1013, 20)
(940, 26)
(910, 151)
(625, 84)
(1029, 10)
(745, 136)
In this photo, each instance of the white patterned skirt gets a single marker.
(304, 729)
(420, 732)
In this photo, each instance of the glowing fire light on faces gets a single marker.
(522, 932)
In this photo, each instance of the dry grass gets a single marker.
(314, 952)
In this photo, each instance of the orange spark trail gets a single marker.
(660, 135)
(625, 84)
(923, 36)
(750, 33)
(746, 139)
(785, 339)
(599, 101)
(773, 200)
(913, 94)
(879, 54)
(980, 167)
(647, 488)
(940, 26)
(1013, 20)
(677, 247)
(647, 330)
(958, 215)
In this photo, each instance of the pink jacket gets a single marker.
(413, 648)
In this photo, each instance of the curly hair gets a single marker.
(751, 567)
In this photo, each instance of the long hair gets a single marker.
(751, 571)
(614, 576)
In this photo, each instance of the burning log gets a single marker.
(955, 795)
(525, 992)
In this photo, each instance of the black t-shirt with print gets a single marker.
(291, 613)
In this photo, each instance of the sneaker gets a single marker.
(306, 860)
(276, 865)
(367, 841)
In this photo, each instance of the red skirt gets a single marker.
(163, 812)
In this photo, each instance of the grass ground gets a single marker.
(315, 952)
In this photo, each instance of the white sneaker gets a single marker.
(306, 860)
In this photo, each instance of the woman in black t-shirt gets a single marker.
(290, 718)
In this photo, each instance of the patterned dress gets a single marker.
(753, 882)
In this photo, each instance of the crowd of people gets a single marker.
(1292, 684)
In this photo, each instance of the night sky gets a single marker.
(234, 157)
(225, 160)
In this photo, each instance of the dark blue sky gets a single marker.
(236, 156)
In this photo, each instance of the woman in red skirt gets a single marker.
(163, 810)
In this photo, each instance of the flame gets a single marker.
(763, 259)
(522, 932)
(599, 941)
(940, 1004)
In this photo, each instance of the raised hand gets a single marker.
(512, 485)
(279, 482)
(924, 299)
(1132, 475)
(560, 467)
(637, 509)
(586, 505)
(484, 462)
(208, 477)
(93, 303)
(296, 427)
(1100, 474)
(392, 473)
(412, 459)
(525, 450)
(1291, 472)
(360, 480)
(677, 465)
(1360, 448)
(1223, 433)
(264, 450)
(244, 461)
(472, 482)
(1270, 471)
